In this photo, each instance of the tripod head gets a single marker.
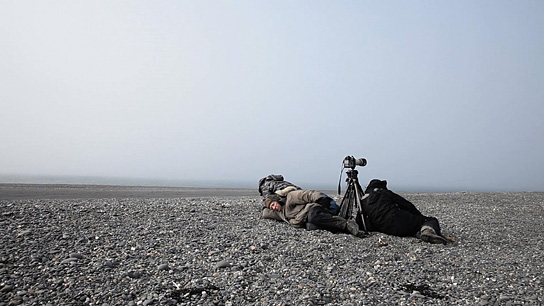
(351, 175)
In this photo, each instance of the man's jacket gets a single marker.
(388, 212)
(296, 207)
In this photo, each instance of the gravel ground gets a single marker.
(217, 251)
(65, 191)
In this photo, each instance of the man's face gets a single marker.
(275, 205)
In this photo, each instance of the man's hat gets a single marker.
(375, 183)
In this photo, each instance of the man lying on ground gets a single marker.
(307, 209)
(389, 213)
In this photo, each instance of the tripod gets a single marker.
(351, 206)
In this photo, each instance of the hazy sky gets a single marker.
(445, 95)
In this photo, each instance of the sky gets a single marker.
(436, 95)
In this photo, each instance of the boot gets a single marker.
(429, 235)
(353, 228)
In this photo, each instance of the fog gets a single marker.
(437, 96)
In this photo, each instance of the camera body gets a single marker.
(352, 162)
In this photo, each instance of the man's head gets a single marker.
(273, 201)
(376, 183)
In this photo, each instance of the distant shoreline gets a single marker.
(26, 191)
(119, 181)
(23, 191)
(330, 189)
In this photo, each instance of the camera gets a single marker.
(352, 162)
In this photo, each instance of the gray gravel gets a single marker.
(217, 251)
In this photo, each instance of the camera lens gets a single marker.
(360, 162)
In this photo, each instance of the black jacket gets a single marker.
(388, 212)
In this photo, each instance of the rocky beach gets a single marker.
(111, 245)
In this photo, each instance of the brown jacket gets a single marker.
(296, 207)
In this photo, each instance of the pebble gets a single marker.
(223, 264)
(163, 267)
(25, 233)
(111, 263)
(134, 274)
(7, 288)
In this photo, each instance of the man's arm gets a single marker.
(271, 214)
(402, 202)
(303, 197)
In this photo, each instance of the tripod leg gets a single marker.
(358, 197)
(346, 206)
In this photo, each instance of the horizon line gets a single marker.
(196, 183)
